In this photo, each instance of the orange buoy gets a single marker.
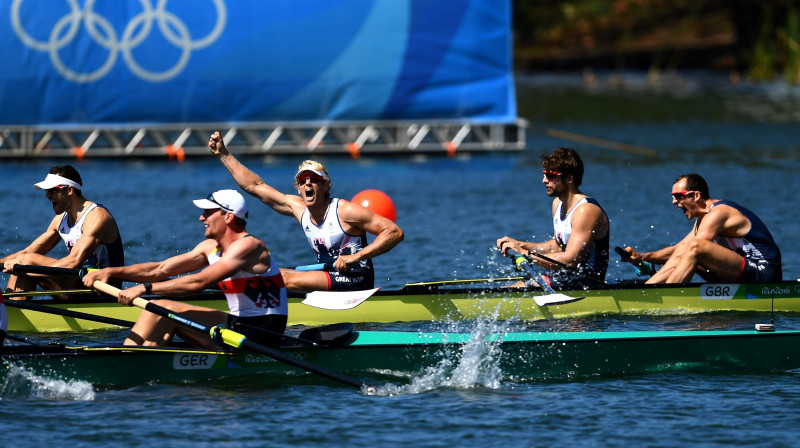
(377, 202)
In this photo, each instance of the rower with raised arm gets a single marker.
(577, 255)
(86, 228)
(726, 243)
(229, 256)
(335, 228)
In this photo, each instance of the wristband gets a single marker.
(148, 288)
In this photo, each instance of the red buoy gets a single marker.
(377, 202)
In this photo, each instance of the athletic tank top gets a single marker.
(328, 240)
(596, 260)
(251, 295)
(105, 255)
(757, 244)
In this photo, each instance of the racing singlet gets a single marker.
(251, 295)
(757, 245)
(105, 255)
(328, 240)
(596, 260)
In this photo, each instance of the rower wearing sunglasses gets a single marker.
(727, 242)
(335, 228)
(577, 255)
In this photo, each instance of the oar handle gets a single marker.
(48, 270)
(315, 267)
(523, 263)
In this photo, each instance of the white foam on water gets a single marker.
(19, 382)
(475, 364)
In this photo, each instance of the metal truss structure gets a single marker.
(179, 141)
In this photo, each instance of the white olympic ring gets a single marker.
(103, 33)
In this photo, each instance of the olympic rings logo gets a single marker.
(103, 33)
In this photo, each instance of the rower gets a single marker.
(229, 256)
(336, 229)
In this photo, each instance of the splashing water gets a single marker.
(477, 364)
(19, 382)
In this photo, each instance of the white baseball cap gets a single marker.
(229, 200)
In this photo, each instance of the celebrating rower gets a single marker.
(242, 265)
(336, 229)
(727, 242)
(87, 228)
(578, 252)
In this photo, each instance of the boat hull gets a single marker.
(398, 356)
(437, 304)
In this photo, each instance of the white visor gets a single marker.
(54, 180)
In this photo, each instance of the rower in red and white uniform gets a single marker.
(229, 256)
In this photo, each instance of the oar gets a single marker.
(338, 300)
(52, 292)
(552, 297)
(236, 340)
(67, 313)
(463, 282)
(315, 267)
(48, 270)
(570, 268)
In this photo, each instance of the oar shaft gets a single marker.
(67, 313)
(522, 262)
(235, 339)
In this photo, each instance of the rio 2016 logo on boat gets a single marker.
(101, 32)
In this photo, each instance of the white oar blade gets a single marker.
(554, 299)
(338, 300)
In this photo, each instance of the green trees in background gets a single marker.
(760, 39)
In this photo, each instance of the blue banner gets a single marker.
(176, 61)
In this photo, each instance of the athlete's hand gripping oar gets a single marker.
(67, 313)
(642, 267)
(552, 297)
(234, 339)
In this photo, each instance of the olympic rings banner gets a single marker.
(178, 61)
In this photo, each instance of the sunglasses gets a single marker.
(301, 180)
(56, 188)
(680, 195)
(550, 175)
(223, 207)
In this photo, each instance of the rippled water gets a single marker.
(743, 139)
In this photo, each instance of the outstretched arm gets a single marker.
(252, 183)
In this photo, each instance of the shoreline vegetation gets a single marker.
(750, 40)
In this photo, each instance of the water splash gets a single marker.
(474, 364)
(21, 383)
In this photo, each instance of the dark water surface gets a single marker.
(745, 140)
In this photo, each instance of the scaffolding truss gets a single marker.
(191, 139)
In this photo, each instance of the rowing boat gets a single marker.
(451, 301)
(403, 356)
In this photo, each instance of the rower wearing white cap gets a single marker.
(86, 228)
(231, 257)
(335, 228)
